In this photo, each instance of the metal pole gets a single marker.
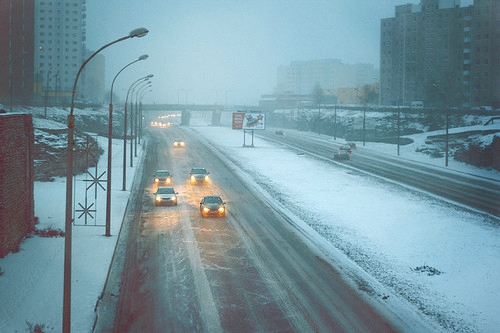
(364, 124)
(46, 89)
(447, 137)
(399, 128)
(124, 177)
(110, 147)
(66, 323)
(335, 123)
(125, 132)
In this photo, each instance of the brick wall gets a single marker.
(16, 180)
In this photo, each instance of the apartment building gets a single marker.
(300, 77)
(59, 48)
(16, 51)
(442, 54)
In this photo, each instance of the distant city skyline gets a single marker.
(229, 52)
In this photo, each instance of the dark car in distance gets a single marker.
(342, 154)
(212, 205)
(163, 177)
(199, 176)
(165, 196)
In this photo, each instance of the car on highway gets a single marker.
(346, 147)
(179, 144)
(199, 176)
(212, 205)
(162, 177)
(353, 145)
(165, 196)
(342, 154)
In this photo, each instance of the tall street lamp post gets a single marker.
(46, 90)
(136, 116)
(140, 113)
(132, 134)
(140, 32)
(124, 187)
(110, 146)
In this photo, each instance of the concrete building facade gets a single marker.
(16, 52)
(442, 54)
(300, 77)
(59, 48)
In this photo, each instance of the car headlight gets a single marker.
(173, 198)
(158, 198)
(221, 209)
(156, 180)
(206, 209)
(193, 178)
(206, 178)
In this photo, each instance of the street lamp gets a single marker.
(132, 134)
(136, 120)
(46, 89)
(140, 113)
(145, 78)
(110, 145)
(140, 32)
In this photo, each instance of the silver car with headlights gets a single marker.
(165, 196)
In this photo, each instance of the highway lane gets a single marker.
(248, 272)
(469, 190)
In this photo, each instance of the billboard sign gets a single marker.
(249, 120)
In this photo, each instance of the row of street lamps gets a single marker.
(66, 323)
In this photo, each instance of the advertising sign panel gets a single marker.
(238, 120)
(249, 121)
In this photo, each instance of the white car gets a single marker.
(165, 196)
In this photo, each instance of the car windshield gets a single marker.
(162, 174)
(165, 190)
(213, 200)
(199, 171)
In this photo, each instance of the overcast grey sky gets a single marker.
(218, 51)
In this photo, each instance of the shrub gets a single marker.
(49, 232)
(36, 328)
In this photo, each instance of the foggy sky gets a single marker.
(218, 51)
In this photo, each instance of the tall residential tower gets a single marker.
(442, 54)
(59, 47)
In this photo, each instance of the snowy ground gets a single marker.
(442, 259)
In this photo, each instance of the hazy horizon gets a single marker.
(222, 51)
